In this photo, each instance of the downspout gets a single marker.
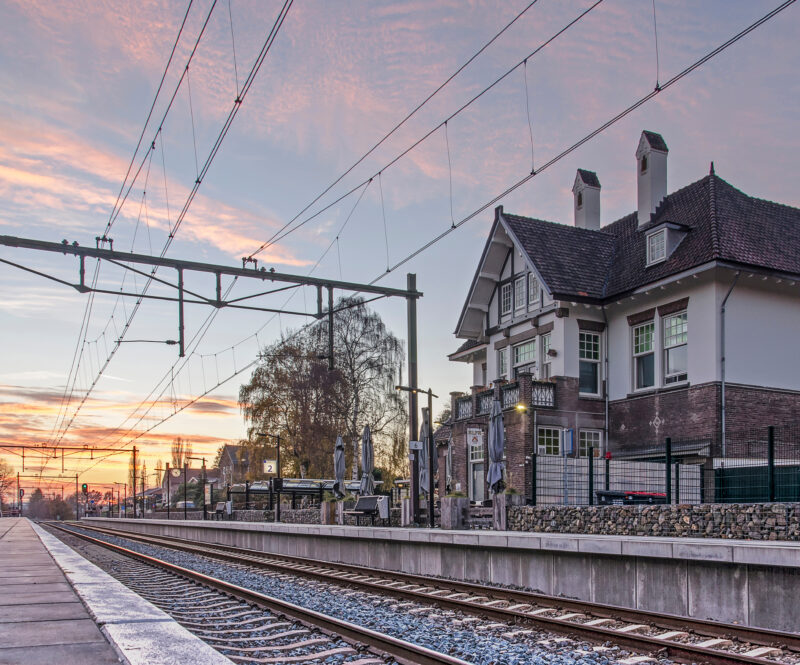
(722, 355)
(605, 321)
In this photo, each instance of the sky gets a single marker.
(79, 80)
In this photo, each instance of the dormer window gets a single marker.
(644, 163)
(656, 247)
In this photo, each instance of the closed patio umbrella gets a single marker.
(338, 467)
(423, 459)
(496, 447)
(367, 462)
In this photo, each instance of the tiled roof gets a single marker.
(656, 141)
(721, 223)
(589, 177)
(466, 346)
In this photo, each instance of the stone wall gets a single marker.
(761, 521)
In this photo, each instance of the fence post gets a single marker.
(533, 479)
(591, 475)
(668, 469)
(608, 474)
(771, 462)
(677, 482)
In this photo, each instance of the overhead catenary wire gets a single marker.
(284, 231)
(394, 129)
(588, 137)
(212, 154)
(695, 65)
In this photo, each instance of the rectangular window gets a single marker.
(505, 298)
(657, 246)
(476, 451)
(502, 363)
(548, 441)
(545, 344)
(589, 366)
(589, 438)
(525, 353)
(675, 355)
(644, 356)
(519, 293)
(533, 289)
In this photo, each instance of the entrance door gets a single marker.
(476, 482)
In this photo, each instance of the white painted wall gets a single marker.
(762, 329)
(703, 355)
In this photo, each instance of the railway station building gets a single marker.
(678, 320)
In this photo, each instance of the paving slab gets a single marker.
(139, 631)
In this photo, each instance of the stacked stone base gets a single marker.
(762, 521)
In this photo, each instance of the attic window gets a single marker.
(580, 199)
(644, 163)
(656, 247)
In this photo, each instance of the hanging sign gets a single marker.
(415, 445)
(270, 466)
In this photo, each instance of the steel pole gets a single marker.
(279, 477)
(413, 423)
(431, 452)
(185, 486)
(205, 516)
(77, 505)
(169, 502)
(134, 482)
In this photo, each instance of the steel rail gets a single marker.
(683, 651)
(379, 643)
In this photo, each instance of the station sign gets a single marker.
(270, 466)
(415, 445)
(208, 493)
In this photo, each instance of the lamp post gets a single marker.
(119, 512)
(278, 479)
(415, 462)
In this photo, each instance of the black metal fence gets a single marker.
(753, 466)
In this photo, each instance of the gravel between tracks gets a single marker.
(444, 631)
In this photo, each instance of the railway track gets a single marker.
(678, 638)
(251, 627)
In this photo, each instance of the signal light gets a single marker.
(85, 488)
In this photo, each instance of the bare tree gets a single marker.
(181, 450)
(292, 392)
(6, 479)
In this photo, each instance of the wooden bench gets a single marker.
(365, 505)
(219, 511)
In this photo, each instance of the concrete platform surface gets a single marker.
(57, 607)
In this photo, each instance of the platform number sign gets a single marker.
(270, 466)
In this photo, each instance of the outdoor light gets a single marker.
(521, 407)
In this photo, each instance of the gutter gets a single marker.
(722, 354)
(608, 378)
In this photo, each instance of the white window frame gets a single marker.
(670, 342)
(584, 436)
(528, 349)
(476, 453)
(533, 289)
(546, 367)
(506, 298)
(519, 293)
(656, 247)
(542, 448)
(594, 361)
(641, 354)
(502, 363)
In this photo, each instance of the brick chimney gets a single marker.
(586, 195)
(651, 173)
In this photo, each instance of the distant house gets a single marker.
(679, 319)
(234, 464)
(172, 479)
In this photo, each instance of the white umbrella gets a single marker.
(338, 467)
(496, 445)
(367, 461)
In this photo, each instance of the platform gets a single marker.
(57, 607)
(42, 620)
(754, 583)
